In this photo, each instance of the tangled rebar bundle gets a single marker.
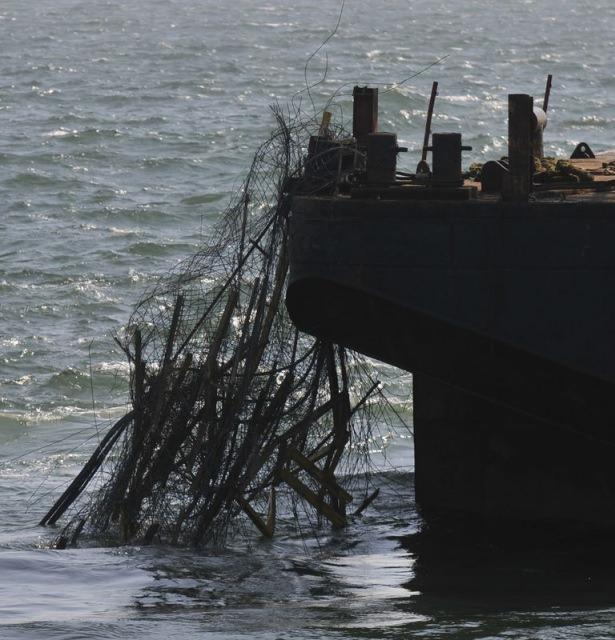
(229, 399)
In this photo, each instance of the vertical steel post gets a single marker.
(518, 183)
(364, 113)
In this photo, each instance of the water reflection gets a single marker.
(387, 576)
(513, 574)
(384, 576)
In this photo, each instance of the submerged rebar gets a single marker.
(228, 398)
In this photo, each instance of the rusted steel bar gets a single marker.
(368, 500)
(326, 481)
(432, 102)
(518, 183)
(76, 487)
(271, 510)
(335, 518)
(545, 102)
(139, 383)
(364, 113)
(264, 527)
(321, 453)
(324, 124)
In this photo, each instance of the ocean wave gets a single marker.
(95, 290)
(9, 342)
(206, 198)
(161, 249)
(88, 135)
(20, 382)
(68, 379)
(44, 414)
(116, 231)
(60, 133)
(121, 368)
(34, 179)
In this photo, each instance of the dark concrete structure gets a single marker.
(505, 314)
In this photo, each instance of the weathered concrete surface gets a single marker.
(538, 277)
(511, 305)
(499, 465)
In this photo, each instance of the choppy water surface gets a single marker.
(124, 127)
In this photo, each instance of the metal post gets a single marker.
(423, 167)
(364, 113)
(518, 183)
(446, 159)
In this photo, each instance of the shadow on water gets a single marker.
(387, 575)
(519, 569)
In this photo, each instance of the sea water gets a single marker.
(124, 129)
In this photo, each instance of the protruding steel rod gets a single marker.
(545, 102)
(324, 124)
(432, 102)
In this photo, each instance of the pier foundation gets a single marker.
(500, 469)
